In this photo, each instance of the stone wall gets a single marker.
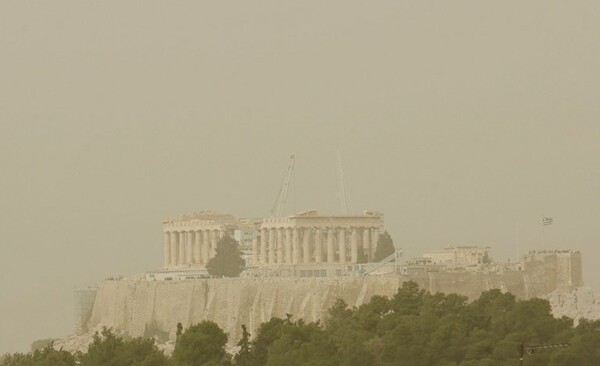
(132, 305)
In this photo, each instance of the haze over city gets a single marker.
(463, 123)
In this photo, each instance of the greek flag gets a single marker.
(547, 221)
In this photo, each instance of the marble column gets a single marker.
(255, 250)
(295, 246)
(374, 239)
(197, 248)
(181, 259)
(279, 245)
(342, 245)
(272, 236)
(306, 246)
(205, 246)
(288, 245)
(330, 247)
(318, 248)
(263, 246)
(174, 245)
(354, 246)
(367, 244)
(167, 251)
(189, 247)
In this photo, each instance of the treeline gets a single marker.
(412, 328)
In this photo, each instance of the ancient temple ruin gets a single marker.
(306, 238)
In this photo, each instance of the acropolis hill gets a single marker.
(300, 265)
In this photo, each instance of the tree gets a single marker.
(486, 258)
(414, 327)
(202, 344)
(303, 344)
(284, 342)
(244, 356)
(109, 349)
(385, 247)
(46, 356)
(267, 333)
(103, 350)
(228, 261)
(362, 256)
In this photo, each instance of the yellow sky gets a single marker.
(460, 120)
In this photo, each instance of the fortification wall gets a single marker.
(132, 305)
(552, 271)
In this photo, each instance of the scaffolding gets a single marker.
(84, 302)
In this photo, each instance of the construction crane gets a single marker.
(341, 189)
(279, 204)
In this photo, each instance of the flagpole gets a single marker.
(517, 233)
(543, 233)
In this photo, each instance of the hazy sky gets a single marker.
(459, 120)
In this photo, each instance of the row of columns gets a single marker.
(313, 245)
(184, 248)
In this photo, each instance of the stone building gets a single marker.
(309, 237)
(457, 256)
(302, 239)
(191, 240)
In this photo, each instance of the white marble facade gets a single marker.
(191, 240)
(313, 238)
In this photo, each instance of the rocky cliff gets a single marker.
(131, 306)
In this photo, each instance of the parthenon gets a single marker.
(191, 240)
(304, 238)
(312, 238)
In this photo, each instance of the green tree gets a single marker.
(244, 356)
(109, 349)
(418, 328)
(357, 345)
(486, 259)
(362, 256)
(385, 247)
(202, 344)
(46, 356)
(409, 299)
(303, 344)
(414, 327)
(103, 350)
(16, 359)
(267, 333)
(284, 342)
(228, 261)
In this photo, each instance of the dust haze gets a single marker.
(463, 122)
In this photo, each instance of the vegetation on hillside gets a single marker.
(411, 328)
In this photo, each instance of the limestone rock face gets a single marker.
(131, 306)
(81, 341)
(579, 303)
(78, 342)
(135, 306)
